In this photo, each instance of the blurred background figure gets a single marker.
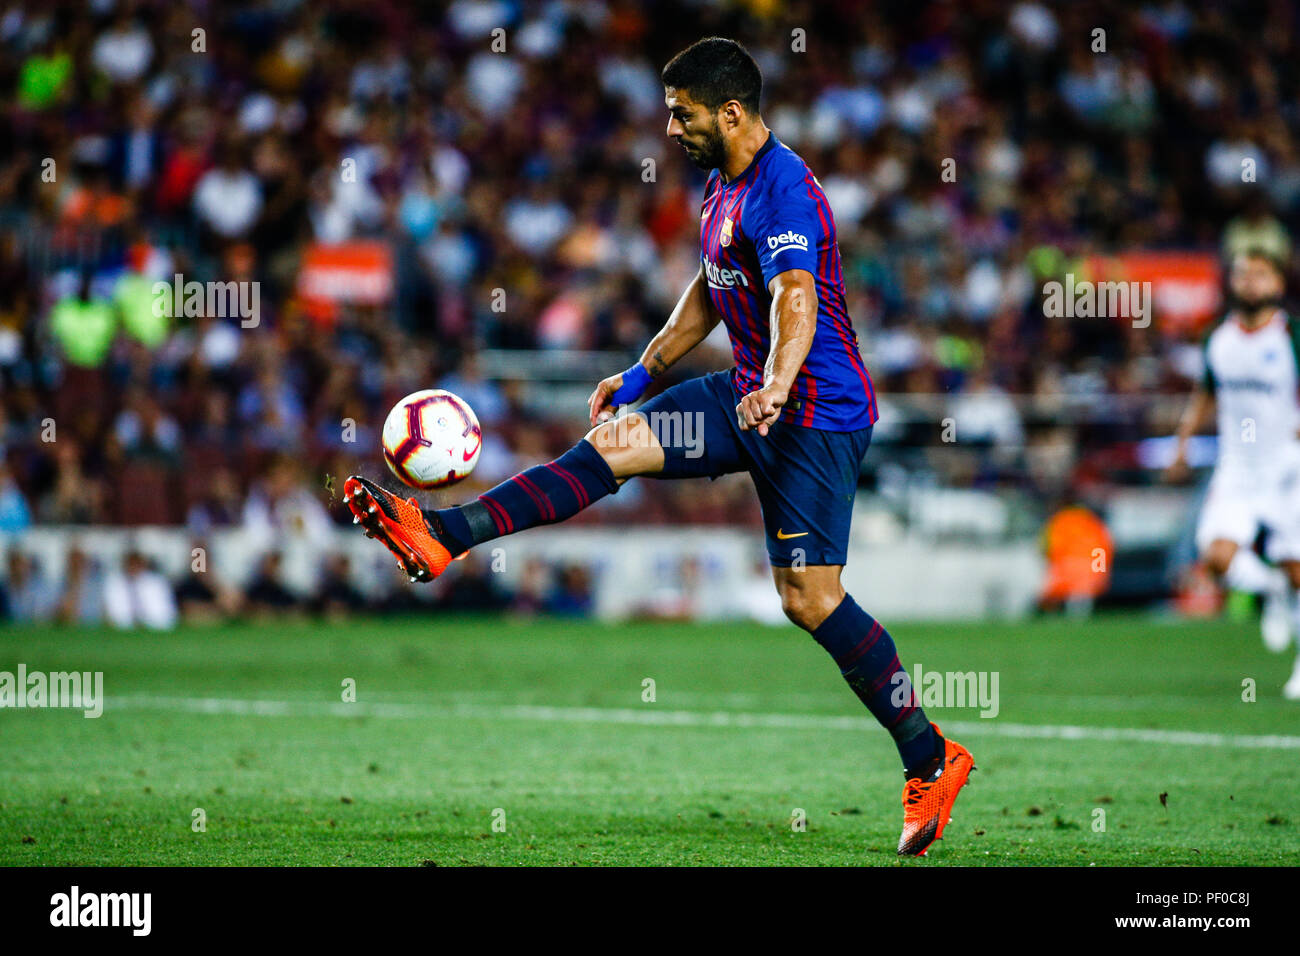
(572, 595)
(15, 516)
(534, 584)
(266, 595)
(29, 597)
(337, 595)
(82, 600)
(1079, 552)
(138, 596)
(279, 507)
(476, 588)
(202, 593)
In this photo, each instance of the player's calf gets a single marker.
(425, 542)
(549, 493)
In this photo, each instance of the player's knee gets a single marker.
(1292, 569)
(628, 446)
(807, 607)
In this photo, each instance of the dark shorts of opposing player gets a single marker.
(806, 478)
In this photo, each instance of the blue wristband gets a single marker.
(635, 381)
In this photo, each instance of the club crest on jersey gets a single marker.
(725, 239)
(787, 240)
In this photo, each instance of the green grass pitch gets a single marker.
(462, 725)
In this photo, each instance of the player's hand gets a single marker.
(761, 408)
(598, 402)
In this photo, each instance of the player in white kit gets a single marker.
(1252, 378)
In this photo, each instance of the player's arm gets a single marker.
(690, 323)
(1198, 408)
(793, 324)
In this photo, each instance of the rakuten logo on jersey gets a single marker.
(723, 278)
(787, 240)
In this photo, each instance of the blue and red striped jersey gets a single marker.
(771, 218)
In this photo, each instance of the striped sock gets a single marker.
(544, 494)
(869, 662)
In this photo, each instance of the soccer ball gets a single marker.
(431, 439)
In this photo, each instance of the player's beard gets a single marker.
(712, 153)
(1254, 305)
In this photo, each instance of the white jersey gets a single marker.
(1255, 379)
(1254, 376)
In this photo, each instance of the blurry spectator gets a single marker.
(202, 594)
(29, 597)
(279, 506)
(124, 50)
(482, 395)
(573, 595)
(985, 413)
(143, 430)
(84, 325)
(1079, 554)
(76, 497)
(228, 197)
(137, 150)
(82, 600)
(14, 513)
(534, 584)
(337, 595)
(679, 599)
(475, 589)
(266, 594)
(138, 596)
(142, 317)
(219, 507)
(46, 75)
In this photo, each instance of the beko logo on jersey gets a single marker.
(720, 278)
(787, 240)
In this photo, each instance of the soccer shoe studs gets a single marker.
(399, 525)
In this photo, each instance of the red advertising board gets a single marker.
(355, 273)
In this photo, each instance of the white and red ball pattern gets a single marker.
(432, 439)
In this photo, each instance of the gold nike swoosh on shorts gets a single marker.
(781, 535)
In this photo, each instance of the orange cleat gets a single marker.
(399, 525)
(927, 804)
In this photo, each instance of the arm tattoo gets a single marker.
(657, 364)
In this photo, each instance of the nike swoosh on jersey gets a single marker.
(786, 537)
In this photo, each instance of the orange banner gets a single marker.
(1186, 287)
(359, 273)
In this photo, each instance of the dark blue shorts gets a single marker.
(805, 477)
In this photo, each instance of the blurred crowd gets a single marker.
(134, 593)
(145, 139)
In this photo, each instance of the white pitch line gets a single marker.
(683, 718)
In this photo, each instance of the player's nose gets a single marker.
(675, 128)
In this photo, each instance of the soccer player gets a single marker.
(1252, 378)
(796, 412)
